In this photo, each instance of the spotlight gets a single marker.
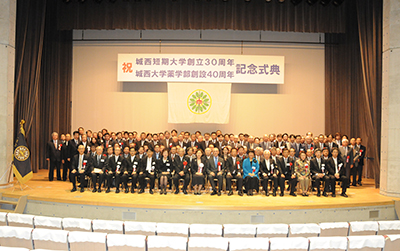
(281, 1)
(311, 2)
(247, 1)
(337, 2)
(296, 2)
(268, 1)
(325, 2)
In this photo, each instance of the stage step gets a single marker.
(19, 205)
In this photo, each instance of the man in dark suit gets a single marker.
(298, 146)
(308, 144)
(98, 168)
(181, 166)
(65, 157)
(286, 165)
(148, 167)
(114, 169)
(220, 142)
(131, 166)
(81, 166)
(337, 169)
(234, 170)
(319, 171)
(107, 142)
(361, 152)
(53, 155)
(215, 166)
(269, 171)
(200, 143)
(85, 143)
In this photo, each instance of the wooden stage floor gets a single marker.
(58, 191)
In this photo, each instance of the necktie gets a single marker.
(98, 159)
(216, 162)
(80, 162)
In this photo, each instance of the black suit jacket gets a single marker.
(73, 148)
(194, 168)
(340, 164)
(201, 145)
(268, 169)
(315, 168)
(178, 164)
(165, 167)
(233, 167)
(143, 164)
(287, 169)
(86, 159)
(130, 165)
(113, 164)
(53, 152)
(210, 165)
(101, 164)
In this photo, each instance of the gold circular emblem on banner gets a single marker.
(199, 101)
(21, 153)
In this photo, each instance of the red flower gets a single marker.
(312, 148)
(219, 163)
(199, 101)
(361, 150)
(238, 162)
(184, 163)
(290, 164)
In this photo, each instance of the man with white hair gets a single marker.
(269, 171)
(344, 149)
(309, 143)
(53, 155)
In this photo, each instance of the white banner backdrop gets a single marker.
(201, 68)
(199, 103)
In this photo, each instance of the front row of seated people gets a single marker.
(249, 171)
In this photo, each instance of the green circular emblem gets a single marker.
(199, 101)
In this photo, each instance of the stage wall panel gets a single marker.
(98, 100)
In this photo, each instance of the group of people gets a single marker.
(116, 159)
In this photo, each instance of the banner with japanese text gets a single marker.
(199, 103)
(201, 68)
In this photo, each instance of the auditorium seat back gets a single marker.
(389, 227)
(328, 243)
(173, 229)
(166, 243)
(108, 226)
(392, 242)
(3, 219)
(366, 243)
(126, 242)
(50, 239)
(272, 230)
(20, 220)
(85, 241)
(363, 228)
(248, 244)
(205, 230)
(16, 236)
(140, 228)
(239, 230)
(47, 222)
(207, 243)
(14, 249)
(304, 230)
(334, 229)
(293, 243)
(75, 224)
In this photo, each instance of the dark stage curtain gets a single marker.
(43, 71)
(354, 79)
(201, 15)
